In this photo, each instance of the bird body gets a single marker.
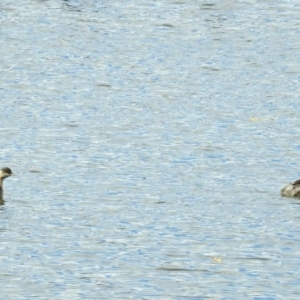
(291, 190)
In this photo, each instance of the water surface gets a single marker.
(150, 141)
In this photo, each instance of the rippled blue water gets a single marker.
(150, 141)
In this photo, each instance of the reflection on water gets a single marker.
(151, 141)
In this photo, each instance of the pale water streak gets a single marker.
(150, 140)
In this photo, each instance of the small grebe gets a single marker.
(292, 189)
(4, 173)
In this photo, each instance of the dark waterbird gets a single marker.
(291, 190)
(4, 173)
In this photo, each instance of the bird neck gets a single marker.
(1, 188)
